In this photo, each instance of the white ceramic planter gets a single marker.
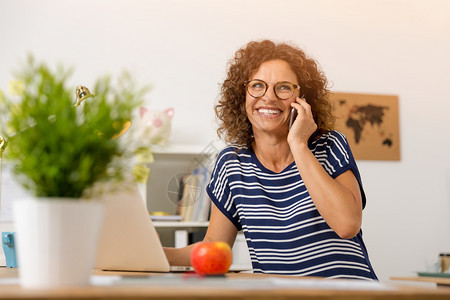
(56, 241)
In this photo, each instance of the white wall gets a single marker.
(181, 47)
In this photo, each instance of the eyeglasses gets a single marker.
(258, 88)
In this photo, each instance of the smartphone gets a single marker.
(292, 117)
(293, 114)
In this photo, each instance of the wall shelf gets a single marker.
(170, 224)
(178, 149)
(170, 163)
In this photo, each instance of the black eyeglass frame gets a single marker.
(296, 86)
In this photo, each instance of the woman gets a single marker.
(296, 193)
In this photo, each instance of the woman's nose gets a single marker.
(270, 94)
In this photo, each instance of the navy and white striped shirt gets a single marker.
(284, 231)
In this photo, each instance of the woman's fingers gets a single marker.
(304, 105)
(305, 115)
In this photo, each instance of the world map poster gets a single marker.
(370, 123)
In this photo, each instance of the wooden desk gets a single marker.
(198, 291)
(438, 280)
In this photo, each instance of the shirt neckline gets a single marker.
(263, 168)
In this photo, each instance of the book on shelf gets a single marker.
(165, 217)
(194, 205)
(184, 238)
(181, 238)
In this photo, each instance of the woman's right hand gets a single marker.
(303, 126)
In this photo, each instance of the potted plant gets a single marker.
(59, 152)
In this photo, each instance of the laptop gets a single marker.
(128, 240)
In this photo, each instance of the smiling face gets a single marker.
(268, 113)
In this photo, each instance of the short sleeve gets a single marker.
(218, 188)
(334, 154)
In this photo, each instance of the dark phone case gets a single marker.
(294, 113)
(292, 117)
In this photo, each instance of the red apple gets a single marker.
(211, 258)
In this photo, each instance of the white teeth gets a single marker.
(268, 111)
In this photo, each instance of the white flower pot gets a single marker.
(56, 241)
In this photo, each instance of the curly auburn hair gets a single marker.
(230, 111)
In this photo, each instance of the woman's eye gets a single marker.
(284, 88)
(258, 85)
